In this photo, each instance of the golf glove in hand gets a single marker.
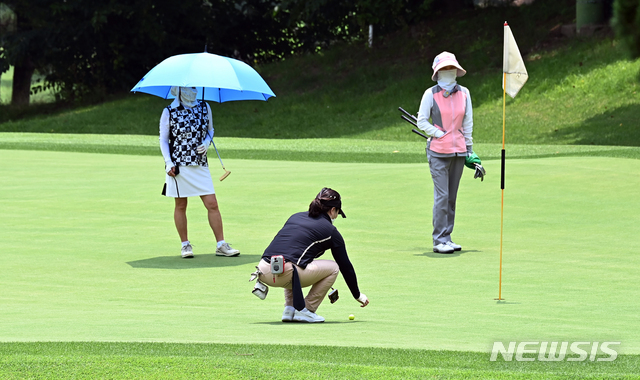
(480, 172)
(202, 149)
(471, 160)
(363, 300)
(168, 166)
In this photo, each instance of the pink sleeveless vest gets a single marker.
(452, 109)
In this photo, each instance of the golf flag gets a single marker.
(512, 65)
(514, 76)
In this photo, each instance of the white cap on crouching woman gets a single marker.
(445, 59)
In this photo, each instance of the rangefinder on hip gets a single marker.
(277, 264)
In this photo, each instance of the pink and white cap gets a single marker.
(446, 59)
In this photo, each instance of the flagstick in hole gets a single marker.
(513, 78)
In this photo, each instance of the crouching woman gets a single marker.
(301, 241)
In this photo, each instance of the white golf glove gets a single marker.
(168, 166)
(363, 299)
(202, 149)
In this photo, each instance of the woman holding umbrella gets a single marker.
(186, 130)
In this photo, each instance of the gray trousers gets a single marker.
(446, 173)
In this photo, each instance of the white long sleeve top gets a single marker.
(164, 133)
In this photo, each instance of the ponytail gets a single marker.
(317, 208)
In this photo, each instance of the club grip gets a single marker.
(407, 113)
(409, 120)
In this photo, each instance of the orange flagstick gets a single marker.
(514, 77)
(504, 106)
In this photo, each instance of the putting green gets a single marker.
(90, 253)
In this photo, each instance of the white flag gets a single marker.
(512, 65)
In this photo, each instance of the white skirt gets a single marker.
(193, 181)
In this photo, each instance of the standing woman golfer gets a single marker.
(446, 115)
(186, 130)
(303, 239)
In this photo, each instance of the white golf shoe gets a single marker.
(305, 315)
(453, 245)
(225, 250)
(287, 314)
(187, 252)
(442, 248)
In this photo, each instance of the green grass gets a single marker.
(97, 263)
(580, 91)
(562, 103)
(245, 361)
(92, 286)
(5, 86)
(316, 150)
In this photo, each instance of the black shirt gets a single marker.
(303, 239)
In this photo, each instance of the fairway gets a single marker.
(90, 253)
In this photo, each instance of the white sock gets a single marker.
(184, 243)
(220, 243)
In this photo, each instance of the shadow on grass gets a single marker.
(280, 323)
(592, 132)
(435, 255)
(199, 261)
(612, 153)
(505, 302)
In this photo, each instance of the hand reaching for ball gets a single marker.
(364, 301)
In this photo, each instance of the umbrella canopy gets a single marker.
(217, 78)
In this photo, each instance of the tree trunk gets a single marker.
(21, 84)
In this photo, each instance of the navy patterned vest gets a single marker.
(187, 130)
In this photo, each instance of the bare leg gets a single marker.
(213, 213)
(180, 218)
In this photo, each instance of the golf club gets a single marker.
(409, 120)
(413, 120)
(420, 133)
(412, 123)
(408, 114)
(226, 172)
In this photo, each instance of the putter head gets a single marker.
(225, 175)
(480, 172)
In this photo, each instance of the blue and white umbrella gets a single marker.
(217, 78)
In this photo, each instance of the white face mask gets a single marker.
(447, 79)
(188, 96)
(333, 218)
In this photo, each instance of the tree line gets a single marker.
(89, 49)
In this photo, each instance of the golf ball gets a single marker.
(352, 317)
